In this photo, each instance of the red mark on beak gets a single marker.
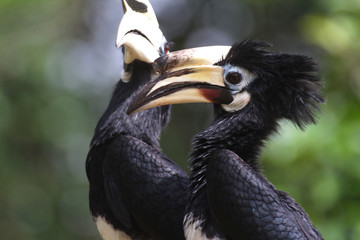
(217, 95)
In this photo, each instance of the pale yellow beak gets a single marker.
(186, 76)
(139, 32)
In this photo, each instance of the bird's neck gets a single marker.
(145, 125)
(244, 134)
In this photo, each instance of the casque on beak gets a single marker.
(186, 76)
(139, 32)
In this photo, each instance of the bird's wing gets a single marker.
(143, 183)
(246, 205)
(116, 204)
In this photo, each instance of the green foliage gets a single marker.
(57, 69)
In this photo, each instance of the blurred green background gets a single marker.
(58, 66)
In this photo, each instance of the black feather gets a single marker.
(286, 87)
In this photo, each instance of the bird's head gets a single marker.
(248, 76)
(139, 33)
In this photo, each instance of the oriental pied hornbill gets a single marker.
(136, 192)
(252, 88)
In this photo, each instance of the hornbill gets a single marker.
(252, 89)
(136, 192)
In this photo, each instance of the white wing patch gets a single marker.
(108, 232)
(192, 229)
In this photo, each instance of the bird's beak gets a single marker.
(186, 76)
(139, 32)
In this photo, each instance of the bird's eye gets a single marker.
(166, 48)
(234, 77)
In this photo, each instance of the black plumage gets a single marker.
(133, 185)
(230, 198)
(229, 189)
(136, 192)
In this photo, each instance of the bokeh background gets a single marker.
(58, 66)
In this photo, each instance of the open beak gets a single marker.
(139, 32)
(186, 76)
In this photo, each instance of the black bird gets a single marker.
(136, 192)
(252, 88)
